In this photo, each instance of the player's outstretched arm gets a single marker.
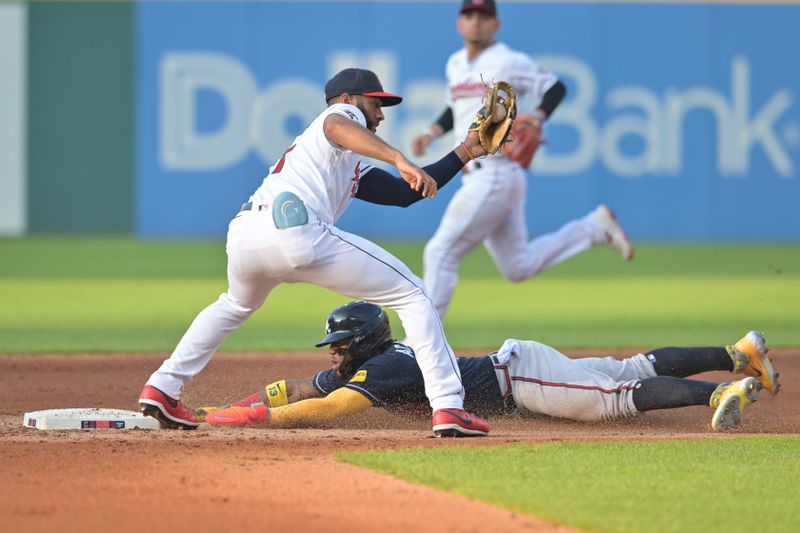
(284, 391)
(380, 187)
(275, 394)
(301, 389)
(359, 139)
(442, 125)
(337, 404)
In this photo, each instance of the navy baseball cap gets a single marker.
(487, 6)
(359, 81)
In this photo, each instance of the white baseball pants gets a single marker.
(489, 208)
(545, 381)
(260, 257)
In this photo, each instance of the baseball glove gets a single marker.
(527, 137)
(495, 119)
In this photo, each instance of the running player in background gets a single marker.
(285, 233)
(489, 207)
(523, 377)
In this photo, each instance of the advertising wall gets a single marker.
(684, 118)
(12, 124)
(80, 117)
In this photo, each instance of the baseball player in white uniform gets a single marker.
(489, 207)
(285, 233)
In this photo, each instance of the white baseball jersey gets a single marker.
(325, 176)
(469, 81)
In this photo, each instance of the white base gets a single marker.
(88, 418)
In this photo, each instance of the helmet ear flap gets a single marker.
(357, 347)
(376, 336)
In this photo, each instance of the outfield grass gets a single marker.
(119, 294)
(728, 485)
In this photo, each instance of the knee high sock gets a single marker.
(682, 362)
(667, 392)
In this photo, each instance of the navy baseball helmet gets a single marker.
(365, 324)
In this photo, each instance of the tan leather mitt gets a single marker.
(495, 119)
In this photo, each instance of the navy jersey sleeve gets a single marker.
(391, 380)
(328, 381)
(380, 187)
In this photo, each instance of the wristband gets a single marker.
(469, 155)
(539, 117)
(430, 131)
(276, 394)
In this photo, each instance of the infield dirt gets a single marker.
(267, 479)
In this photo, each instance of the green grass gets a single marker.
(731, 485)
(119, 294)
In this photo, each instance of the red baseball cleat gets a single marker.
(458, 423)
(170, 412)
(236, 415)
